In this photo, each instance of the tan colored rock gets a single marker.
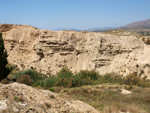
(48, 51)
(126, 92)
(20, 98)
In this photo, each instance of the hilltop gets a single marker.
(140, 24)
(142, 27)
(48, 51)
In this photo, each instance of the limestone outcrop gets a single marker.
(48, 51)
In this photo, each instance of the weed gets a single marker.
(52, 96)
(52, 89)
(18, 99)
(25, 79)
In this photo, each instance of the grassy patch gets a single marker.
(109, 97)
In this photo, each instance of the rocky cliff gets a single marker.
(48, 51)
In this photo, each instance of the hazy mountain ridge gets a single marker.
(144, 24)
(75, 29)
(142, 27)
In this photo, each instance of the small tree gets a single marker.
(3, 59)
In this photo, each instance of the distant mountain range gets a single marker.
(142, 27)
(141, 24)
(70, 29)
(92, 29)
(102, 28)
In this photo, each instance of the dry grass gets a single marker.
(125, 108)
(108, 98)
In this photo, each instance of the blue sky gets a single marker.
(79, 14)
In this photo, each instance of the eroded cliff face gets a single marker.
(48, 51)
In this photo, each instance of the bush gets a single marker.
(50, 82)
(5, 81)
(77, 81)
(65, 77)
(109, 78)
(34, 75)
(37, 78)
(10, 67)
(84, 77)
(52, 89)
(10, 77)
(133, 79)
(93, 75)
(25, 79)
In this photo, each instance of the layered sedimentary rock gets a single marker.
(48, 51)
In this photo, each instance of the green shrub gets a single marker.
(25, 79)
(77, 81)
(37, 78)
(93, 75)
(133, 79)
(34, 75)
(84, 77)
(65, 77)
(86, 81)
(52, 89)
(38, 83)
(109, 78)
(50, 82)
(112, 78)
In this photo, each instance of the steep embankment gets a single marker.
(48, 51)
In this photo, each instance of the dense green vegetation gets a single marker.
(66, 78)
(3, 60)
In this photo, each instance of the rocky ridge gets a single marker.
(48, 51)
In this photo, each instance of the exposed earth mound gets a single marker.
(48, 51)
(19, 98)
